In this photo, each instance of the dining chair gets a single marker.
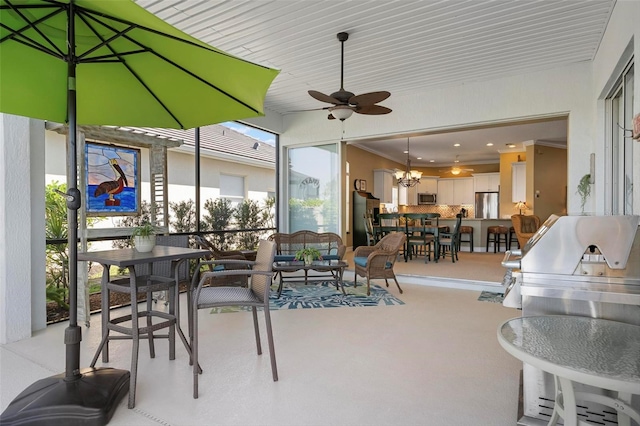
(368, 228)
(390, 222)
(256, 295)
(417, 236)
(448, 241)
(433, 227)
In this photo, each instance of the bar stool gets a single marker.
(129, 325)
(512, 237)
(466, 230)
(496, 235)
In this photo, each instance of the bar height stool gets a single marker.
(468, 231)
(129, 325)
(496, 235)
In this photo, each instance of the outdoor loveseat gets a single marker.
(329, 245)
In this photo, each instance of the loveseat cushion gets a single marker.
(284, 258)
(330, 257)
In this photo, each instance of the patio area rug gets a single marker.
(488, 296)
(323, 294)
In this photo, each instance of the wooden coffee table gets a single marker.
(333, 269)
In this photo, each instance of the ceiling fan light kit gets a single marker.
(455, 170)
(408, 177)
(341, 112)
(345, 102)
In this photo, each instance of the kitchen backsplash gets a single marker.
(445, 211)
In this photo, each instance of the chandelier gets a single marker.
(408, 177)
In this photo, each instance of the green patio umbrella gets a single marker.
(108, 62)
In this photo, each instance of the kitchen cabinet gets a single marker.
(445, 191)
(519, 181)
(427, 185)
(486, 182)
(455, 191)
(408, 196)
(383, 184)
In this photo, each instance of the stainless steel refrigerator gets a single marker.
(487, 205)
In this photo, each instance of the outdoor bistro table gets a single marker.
(334, 267)
(595, 352)
(128, 258)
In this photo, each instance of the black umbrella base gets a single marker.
(89, 400)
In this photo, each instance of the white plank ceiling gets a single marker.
(400, 46)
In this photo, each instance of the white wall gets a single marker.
(22, 249)
(554, 92)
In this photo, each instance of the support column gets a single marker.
(22, 234)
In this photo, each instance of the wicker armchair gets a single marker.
(217, 254)
(376, 262)
(525, 227)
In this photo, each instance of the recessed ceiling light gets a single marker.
(405, 152)
(432, 161)
(456, 144)
(489, 144)
(456, 161)
(511, 145)
(418, 158)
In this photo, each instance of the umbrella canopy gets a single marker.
(108, 62)
(133, 69)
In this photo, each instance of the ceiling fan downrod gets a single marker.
(342, 37)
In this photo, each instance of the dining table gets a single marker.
(128, 258)
(602, 354)
(380, 230)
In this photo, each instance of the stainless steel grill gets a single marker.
(574, 265)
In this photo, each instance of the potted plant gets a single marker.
(144, 237)
(308, 254)
(584, 190)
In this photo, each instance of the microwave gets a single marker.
(426, 198)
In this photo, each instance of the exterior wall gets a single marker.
(22, 251)
(556, 92)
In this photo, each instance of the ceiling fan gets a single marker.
(345, 102)
(455, 170)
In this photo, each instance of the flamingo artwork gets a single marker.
(112, 187)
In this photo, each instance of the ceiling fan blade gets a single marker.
(369, 98)
(322, 97)
(372, 110)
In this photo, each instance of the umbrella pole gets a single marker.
(89, 396)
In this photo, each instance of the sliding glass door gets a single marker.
(314, 188)
(620, 164)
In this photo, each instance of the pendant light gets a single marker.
(408, 177)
